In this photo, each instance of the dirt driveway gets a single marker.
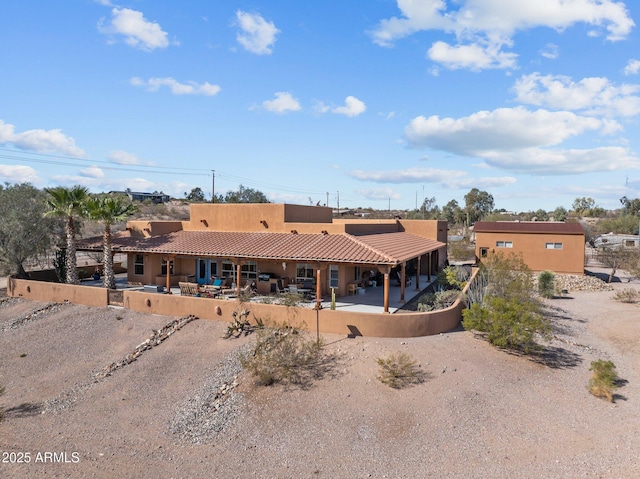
(183, 409)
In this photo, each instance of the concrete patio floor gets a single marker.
(371, 301)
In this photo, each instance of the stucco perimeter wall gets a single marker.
(57, 292)
(400, 325)
(434, 229)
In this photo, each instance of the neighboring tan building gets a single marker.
(544, 246)
(278, 244)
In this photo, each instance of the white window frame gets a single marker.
(334, 276)
(551, 245)
(309, 271)
(504, 244)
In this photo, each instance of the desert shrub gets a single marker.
(291, 299)
(241, 325)
(399, 371)
(546, 284)
(603, 382)
(284, 354)
(508, 323)
(455, 276)
(627, 295)
(439, 300)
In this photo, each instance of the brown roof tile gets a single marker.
(384, 248)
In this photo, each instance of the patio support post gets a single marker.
(386, 290)
(318, 288)
(403, 281)
(418, 273)
(169, 258)
(429, 267)
(238, 279)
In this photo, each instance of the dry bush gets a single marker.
(284, 354)
(399, 371)
(603, 382)
(627, 295)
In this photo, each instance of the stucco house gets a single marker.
(544, 246)
(275, 245)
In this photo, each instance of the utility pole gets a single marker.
(327, 205)
(338, 199)
(213, 186)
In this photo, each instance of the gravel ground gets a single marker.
(184, 409)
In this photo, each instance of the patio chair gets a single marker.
(188, 289)
(352, 288)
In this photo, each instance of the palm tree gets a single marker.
(69, 204)
(109, 210)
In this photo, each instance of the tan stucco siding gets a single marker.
(567, 259)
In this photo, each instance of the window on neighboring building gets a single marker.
(138, 264)
(164, 267)
(333, 276)
(483, 252)
(553, 245)
(504, 244)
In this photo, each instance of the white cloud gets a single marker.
(596, 95)
(137, 30)
(177, 88)
(483, 27)
(379, 194)
(106, 3)
(447, 178)
(550, 51)
(543, 161)
(256, 35)
(122, 157)
(520, 140)
(39, 141)
(352, 107)
(92, 172)
(283, 103)
(501, 129)
(633, 67)
(18, 174)
(476, 56)
(320, 107)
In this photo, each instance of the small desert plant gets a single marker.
(546, 284)
(283, 354)
(603, 382)
(439, 300)
(241, 325)
(399, 370)
(628, 295)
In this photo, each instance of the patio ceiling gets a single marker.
(383, 248)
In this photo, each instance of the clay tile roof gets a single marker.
(540, 227)
(385, 248)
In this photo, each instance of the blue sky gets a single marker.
(379, 103)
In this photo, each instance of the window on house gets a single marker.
(164, 267)
(504, 244)
(250, 270)
(138, 264)
(483, 252)
(228, 271)
(333, 276)
(553, 245)
(304, 271)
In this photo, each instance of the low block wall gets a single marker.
(399, 325)
(57, 292)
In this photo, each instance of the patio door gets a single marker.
(205, 269)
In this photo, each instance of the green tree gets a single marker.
(478, 204)
(196, 195)
(24, 234)
(559, 214)
(583, 206)
(109, 210)
(70, 205)
(453, 213)
(541, 215)
(630, 207)
(245, 195)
